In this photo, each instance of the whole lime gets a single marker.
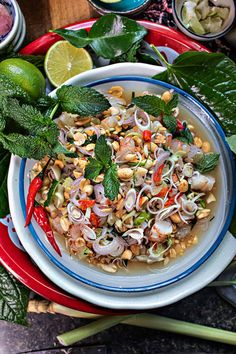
(24, 74)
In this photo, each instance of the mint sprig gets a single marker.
(154, 105)
(103, 163)
(208, 162)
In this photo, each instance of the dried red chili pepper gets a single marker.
(34, 187)
(42, 220)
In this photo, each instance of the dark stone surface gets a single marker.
(204, 307)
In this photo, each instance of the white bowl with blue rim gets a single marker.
(13, 9)
(177, 7)
(194, 257)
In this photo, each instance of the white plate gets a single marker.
(158, 298)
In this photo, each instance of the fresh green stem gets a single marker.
(181, 327)
(90, 329)
(223, 283)
(160, 56)
(54, 110)
(149, 321)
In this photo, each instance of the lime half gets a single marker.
(64, 61)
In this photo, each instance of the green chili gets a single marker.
(51, 192)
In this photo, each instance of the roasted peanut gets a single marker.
(127, 254)
(183, 186)
(166, 96)
(115, 145)
(198, 142)
(175, 218)
(125, 173)
(206, 147)
(201, 214)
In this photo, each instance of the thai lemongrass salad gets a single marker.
(138, 186)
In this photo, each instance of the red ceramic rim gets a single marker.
(17, 261)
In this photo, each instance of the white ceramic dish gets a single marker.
(13, 5)
(177, 13)
(141, 301)
(20, 41)
(99, 73)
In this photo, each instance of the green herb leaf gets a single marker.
(170, 123)
(2, 122)
(130, 56)
(91, 139)
(14, 298)
(93, 169)
(4, 164)
(10, 89)
(25, 146)
(208, 162)
(211, 78)
(103, 151)
(78, 38)
(59, 149)
(111, 182)
(151, 104)
(110, 36)
(83, 101)
(30, 119)
(155, 105)
(232, 142)
(185, 135)
(51, 192)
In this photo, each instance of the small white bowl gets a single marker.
(177, 6)
(16, 24)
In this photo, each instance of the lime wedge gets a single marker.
(64, 61)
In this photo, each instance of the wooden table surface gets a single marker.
(42, 15)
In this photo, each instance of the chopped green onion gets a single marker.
(51, 192)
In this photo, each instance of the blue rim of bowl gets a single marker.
(186, 272)
(135, 10)
(209, 37)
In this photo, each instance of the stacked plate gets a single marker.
(158, 287)
(14, 38)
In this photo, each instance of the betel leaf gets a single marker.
(110, 36)
(83, 101)
(4, 164)
(232, 142)
(14, 298)
(103, 151)
(111, 182)
(211, 78)
(208, 162)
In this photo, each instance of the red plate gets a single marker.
(12, 257)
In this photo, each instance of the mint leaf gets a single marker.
(83, 101)
(185, 135)
(155, 105)
(172, 104)
(151, 104)
(111, 182)
(103, 151)
(4, 164)
(14, 298)
(2, 122)
(93, 169)
(25, 146)
(232, 142)
(208, 162)
(59, 149)
(30, 119)
(10, 89)
(170, 123)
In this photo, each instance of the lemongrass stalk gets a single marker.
(149, 321)
(90, 329)
(181, 327)
(44, 306)
(222, 283)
